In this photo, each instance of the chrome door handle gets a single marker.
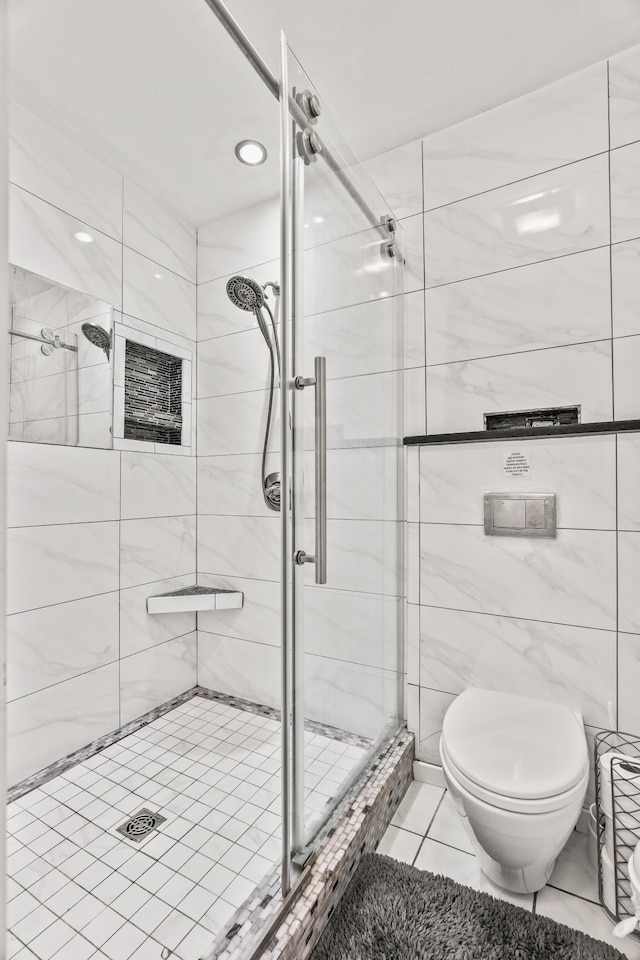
(319, 381)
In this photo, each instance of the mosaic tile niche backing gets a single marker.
(152, 395)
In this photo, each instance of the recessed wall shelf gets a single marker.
(193, 599)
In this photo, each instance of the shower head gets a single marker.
(245, 293)
(97, 336)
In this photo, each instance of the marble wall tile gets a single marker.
(329, 211)
(626, 360)
(625, 193)
(152, 677)
(217, 316)
(580, 470)
(233, 364)
(349, 696)
(628, 682)
(258, 620)
(157, 232)
(361, 411)
(624, 97)
(414, 329)
(353, 627)
(234, 424)
(53, 564)
(239, 546)
(412, 643)
(41, 239)
(563, 664)
(362, 555)
(39, 399)
(362, 339)
(413, 559)
(459, 394)
(412, 709)
(239, 240)
(547, 304)
(628, 578)
(240, 668)
(555, 125)
(571, 579)
(433, 706)
(625, 288)
(233, 485)
(628, 489)
(156, 549)
(94, 430)
(557, 213)
(362, 483)
(154, 486)
(157, 295)
(140, 630)
(45, 162)
(53, 722)
(413, 484)
(398, 175)
(414, 403)
(54, 644)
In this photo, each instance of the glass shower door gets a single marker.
(342, 265)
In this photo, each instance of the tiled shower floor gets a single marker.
(78, 890)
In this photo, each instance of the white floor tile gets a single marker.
(573, 872)
(583, 915)
(447, 826)
(399, 844)
(418, 806)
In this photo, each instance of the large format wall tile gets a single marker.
(52, 564)
(239, 240)
(232, 485)
(362, 483)
(625, 288)
(50, 166)
(50, 484)
(624, 94)
(139, 629)
(628, 579)
(240, 668)
(626, 363)
(459, 394)
(257, 620)
(354, 627)
(152, 677)
(580, 470)
(361, 411)
(41, 239)
(559, 212)
(53, 644)
(557, 124)
(158, 233)
(234, 424)
(571, 579)
(350, 696)
(217, 316)
(628, 445)
(628, 682)
(240, 546)
(433, 706)
(547, 304)
(157, 295)
(565, 664)
(154, 486)
(156, 549)
(358, 340)
(50, 724)
(398, 175)
(233, 364)
(625, 193)
(362, 555)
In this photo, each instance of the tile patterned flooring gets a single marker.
(79, 890)
(428, 833)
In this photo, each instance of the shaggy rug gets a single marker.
(392, 911)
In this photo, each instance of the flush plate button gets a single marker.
(520, 514)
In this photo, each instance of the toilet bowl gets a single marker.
(517, 769)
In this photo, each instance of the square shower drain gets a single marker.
(140, 825)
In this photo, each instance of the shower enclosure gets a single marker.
(217, 736)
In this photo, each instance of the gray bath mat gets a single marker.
(392, 911)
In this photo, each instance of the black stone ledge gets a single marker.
(526, 433)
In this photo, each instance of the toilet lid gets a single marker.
(515, 746)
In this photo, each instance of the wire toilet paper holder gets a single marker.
(618, 809)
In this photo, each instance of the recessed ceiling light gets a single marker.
(83, 237)
(251, 152)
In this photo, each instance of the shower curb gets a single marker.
(356, 829)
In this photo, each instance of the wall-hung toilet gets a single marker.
(517, 769)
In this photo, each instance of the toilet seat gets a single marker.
(515, 753)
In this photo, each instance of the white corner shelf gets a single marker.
(194, 599)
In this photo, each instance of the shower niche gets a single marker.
(60, 379)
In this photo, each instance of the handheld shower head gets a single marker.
(245, 293)
(97, 336)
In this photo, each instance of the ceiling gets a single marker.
(158, 89)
